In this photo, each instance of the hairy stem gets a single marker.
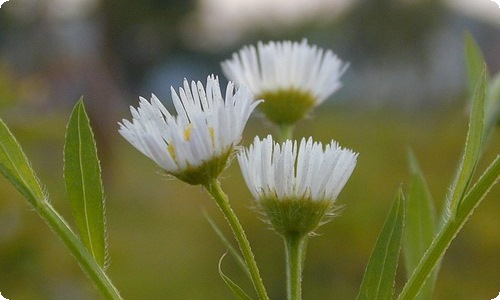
(214, 189)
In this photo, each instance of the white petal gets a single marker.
(292, 171)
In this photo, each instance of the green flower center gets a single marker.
(286, 106)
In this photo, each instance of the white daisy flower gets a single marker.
(291, 77)
(195, 145)
(296, 185)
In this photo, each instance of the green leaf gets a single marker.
(237, 291)
(492, 107)
(474, 60)
(449, 231)
(472, 152)
(16, 168)
(378, 281)
(480, 189)
(82, 174)
(420, 224)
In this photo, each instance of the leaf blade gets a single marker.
(420, 224)
(14, 165)
(472, 151)
(474, 60)
(492, 107)
(378, 281)
(82, 174)
(450, 229)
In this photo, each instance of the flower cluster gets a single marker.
(294, 184)
(195, 145)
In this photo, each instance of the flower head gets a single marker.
(291, 77)
(296, 184)
(195, 145)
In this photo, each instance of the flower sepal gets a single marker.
(295, 217)
(206, 172)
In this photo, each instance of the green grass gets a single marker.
(161, 247)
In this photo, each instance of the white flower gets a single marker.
(291, 171)
(286, 74)
(196, 144)
(296, 185)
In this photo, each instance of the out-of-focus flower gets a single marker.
(296, 184)
(195, 145)
(291, 77)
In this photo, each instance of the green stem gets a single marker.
(286, 132)
(429, 261)
(75, 245)
(222, 201)
(295, 252)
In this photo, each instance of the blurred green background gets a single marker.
(405, 89)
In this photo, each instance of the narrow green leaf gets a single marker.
(378, 281)
(472, 150)
(229, 246)
(237, 291)
(480, 189)
(474, 60)
(82, 174)
(475, 64)
(16, 168)
(449, 231)
(420, 224)
(492, 107)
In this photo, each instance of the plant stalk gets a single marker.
(82, 255)
(295, 246)
(215, 190)
(285, 131)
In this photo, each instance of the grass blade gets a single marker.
(420, 224)
(16, 168)
(82, 174)
(237, 291)
(378, 281)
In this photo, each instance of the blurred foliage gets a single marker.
(161, 247)
(8, 85)
(389, 28)
(140, 34)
